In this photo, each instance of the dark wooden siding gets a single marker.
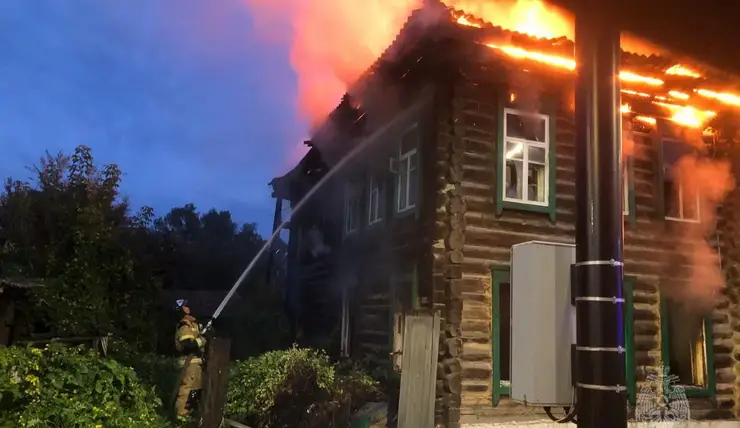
(472, 117)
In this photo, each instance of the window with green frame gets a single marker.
(501, 333)
(526, 158)
(675, 201)
(687, 347)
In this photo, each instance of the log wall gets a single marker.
(471, 239)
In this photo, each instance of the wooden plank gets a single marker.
(215, 383)
(418, 371)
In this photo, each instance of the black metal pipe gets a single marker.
(600, 359)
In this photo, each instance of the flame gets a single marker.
(724, 97)
(647, 120)
(680, 70)
(625, 108)
(633, 77)
(679, 95)
(554, 60)
(533, 17)
(635, 93)
(687, 115)
(463, 20)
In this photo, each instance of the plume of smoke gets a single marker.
(712, 181)
(331, 42)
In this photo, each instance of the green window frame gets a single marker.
(549, 111)
(710, 387)
(501, 275)
(660, 208)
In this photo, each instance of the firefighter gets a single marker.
(190, 344)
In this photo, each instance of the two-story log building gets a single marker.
(474, 153)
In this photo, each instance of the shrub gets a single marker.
(72, 388)
(297, 388)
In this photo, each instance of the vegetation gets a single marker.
(102, 269)
(296, 388)
(70, 387)
(102, 266)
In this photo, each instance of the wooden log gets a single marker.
(215, 383)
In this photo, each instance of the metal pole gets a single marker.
(600, 358)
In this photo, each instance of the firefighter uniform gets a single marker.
(190, 343)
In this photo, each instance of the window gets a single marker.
(680, 201)
(625, 188)
(344, 341)
(501, 333)
(351, 209)
(407, 173)
(526, 141)
(686, 347)
(374, 203)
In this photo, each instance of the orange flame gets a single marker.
(533, 17)
(680, 70)
(647, 120)
(625, 108)
(724, 97)
(687, 115)
(678, 95)
(463, 20)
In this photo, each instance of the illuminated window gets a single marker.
(525, 149)
(686, 338)
(681, 202)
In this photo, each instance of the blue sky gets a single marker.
(179, 93)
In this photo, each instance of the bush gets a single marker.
(296, 388)
(71, 387)
(155, 370)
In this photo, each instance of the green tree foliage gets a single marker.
(296, 388)
(72, 230)
(103, 267)
(72, 388)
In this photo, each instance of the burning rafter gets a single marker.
(640, 86)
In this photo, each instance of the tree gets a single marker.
(73, 231)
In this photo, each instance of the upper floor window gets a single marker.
(407, 173)
(681, 201)
(351, 209)
(374, 213)
(526, 149)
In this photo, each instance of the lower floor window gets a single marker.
(685, 344)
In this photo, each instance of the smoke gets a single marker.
(332, 42)
(709, 180)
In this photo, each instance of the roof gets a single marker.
(457, 25)
(203, 303)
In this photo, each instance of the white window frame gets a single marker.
(373, 201)
(680, 191)
(525, 159)
(404, 158)
(351, 196)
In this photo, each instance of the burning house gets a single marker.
(457, 144)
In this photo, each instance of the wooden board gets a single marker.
(215, 383)
(419, 371)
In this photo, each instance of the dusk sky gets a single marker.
(178, 93)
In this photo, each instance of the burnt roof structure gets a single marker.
(654, 82)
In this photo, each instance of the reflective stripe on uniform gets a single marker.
(186, 337)
(181, 361)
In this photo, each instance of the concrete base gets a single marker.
(550, 424)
